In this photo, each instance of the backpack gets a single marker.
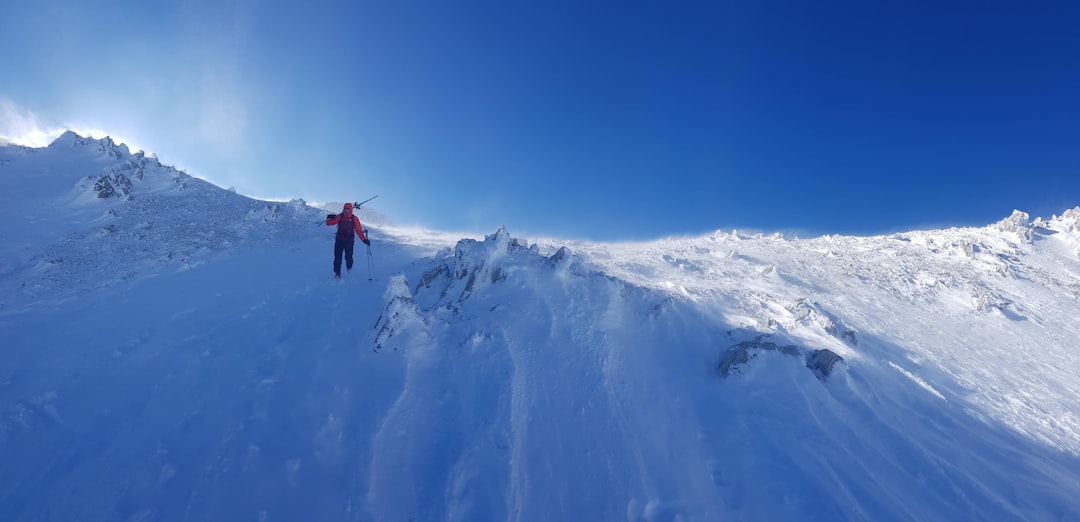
(346, 227)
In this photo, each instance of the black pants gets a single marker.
(347, 248)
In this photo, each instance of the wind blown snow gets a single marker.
(175, 351)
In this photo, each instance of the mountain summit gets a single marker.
(175, 351)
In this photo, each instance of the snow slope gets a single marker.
(173, 351)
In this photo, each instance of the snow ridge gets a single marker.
(132, 209)
(500, 305)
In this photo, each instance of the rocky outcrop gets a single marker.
(740, 354)
(400, 315)
(822, 362)
(113, 186)
(474, 264)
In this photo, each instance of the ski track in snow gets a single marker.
(185, 355)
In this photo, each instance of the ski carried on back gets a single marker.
(356, 206)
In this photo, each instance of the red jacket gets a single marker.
(343, 232)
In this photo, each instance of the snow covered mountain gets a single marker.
(81, 204)
(175, 351)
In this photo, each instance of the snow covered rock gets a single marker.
(400, 315)
(1018, 223)
(70, 140)
(562, 258)
(474, 264)
(106, 145)
(810, 313)
(1069, 220)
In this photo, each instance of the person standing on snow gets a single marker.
(347, 225)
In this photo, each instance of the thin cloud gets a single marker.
(22, 127)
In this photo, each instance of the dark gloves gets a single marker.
(366, 242)
(331, 216)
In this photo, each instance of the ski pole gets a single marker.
(370, 263)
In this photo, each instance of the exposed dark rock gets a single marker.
(560, 255)
(850, 337)
(115, 186)
(742, 353)
(432, 275)
(822, 362)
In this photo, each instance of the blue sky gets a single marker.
(602, 120)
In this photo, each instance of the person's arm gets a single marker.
(332, 219)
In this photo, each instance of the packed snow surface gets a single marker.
(174, 351)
